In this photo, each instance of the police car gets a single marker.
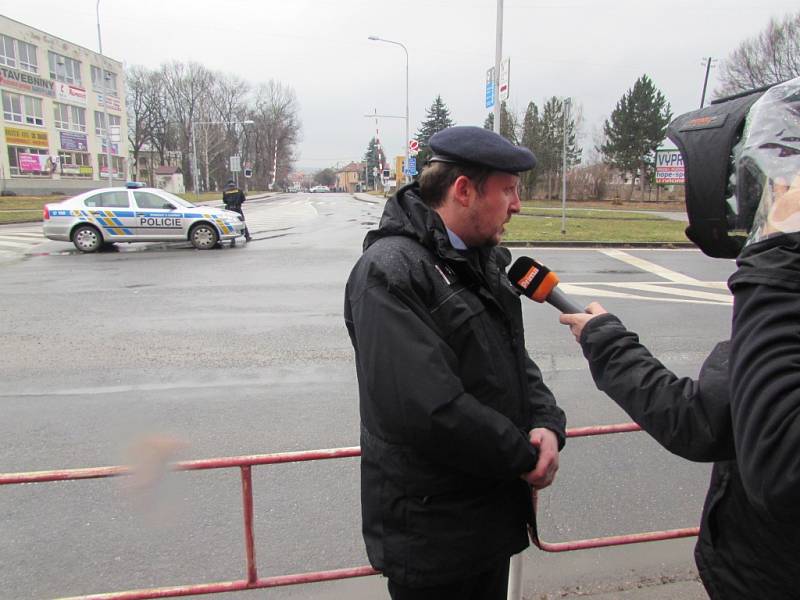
(137, 214)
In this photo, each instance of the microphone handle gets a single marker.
(560, 300)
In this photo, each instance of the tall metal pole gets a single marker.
(375, 38)
(105, 97)
(194, 164)
(498, 59)
(566, 107)
(705, 81)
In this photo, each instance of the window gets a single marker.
(148, 200)
(12, 107)
(18, 54)
(22, 109)
(117, 162)
(7, 55)
(118, 199)
(107, 85)
(64, 69)
(69, 117)
(100, 122)
(74, 164)
(14, 161)
(33, 111)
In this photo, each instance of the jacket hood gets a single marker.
(406, 214)
(773, 261)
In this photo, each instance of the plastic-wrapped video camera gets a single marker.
(742, 166)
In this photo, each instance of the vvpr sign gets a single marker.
(669, 166)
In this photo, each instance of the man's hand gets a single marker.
(578, 320)
(547, 465)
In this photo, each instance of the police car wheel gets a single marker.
(203, 236)
(86, 238)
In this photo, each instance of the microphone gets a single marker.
(537, 282)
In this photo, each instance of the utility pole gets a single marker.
(105, 98)
(498, 59)
(708, 61)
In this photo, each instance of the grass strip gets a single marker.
(548, 229)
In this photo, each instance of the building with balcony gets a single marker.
(59, 102)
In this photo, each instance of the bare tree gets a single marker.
(276, 131)
(770, 57)
(141, 119)
(187, 87)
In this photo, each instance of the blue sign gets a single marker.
(490, 88)
(411, 169)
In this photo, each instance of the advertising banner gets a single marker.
(74, 141)
(113, 102)
(26, 82)
(33, 162)
(16, 136)
(669, 166)
(114, 148)
(70, 93)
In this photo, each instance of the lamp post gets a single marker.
(708, 62)
(378, 39)
(195, 180)
(105, 97)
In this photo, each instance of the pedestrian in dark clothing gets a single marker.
(233, 198)
(743, 412)
(456, 421)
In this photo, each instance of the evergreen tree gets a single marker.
(636, 128)
(508, 124)
(371, 160)
(531, 133)
(438, 118)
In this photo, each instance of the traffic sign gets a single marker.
(411, 168)
(490, 88)
(236, 164)
(413, 145)
(505, 74)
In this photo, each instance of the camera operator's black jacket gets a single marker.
(448, 395)
(742, 552)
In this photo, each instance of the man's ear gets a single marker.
(463, 190)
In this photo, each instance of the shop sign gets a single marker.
(25, 137)
(113, 102)
(70, 93)
(114, 148)
(74, 141)
(26, 82)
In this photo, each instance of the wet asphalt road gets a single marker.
(243, 351)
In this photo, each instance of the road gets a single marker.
(242, 351)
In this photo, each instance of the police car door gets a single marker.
(111, 210)
(157, 217)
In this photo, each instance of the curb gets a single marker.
(595, 244)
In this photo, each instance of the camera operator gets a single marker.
(743, 412)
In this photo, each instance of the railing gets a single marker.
(245, 464)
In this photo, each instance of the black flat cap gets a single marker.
(470, 145)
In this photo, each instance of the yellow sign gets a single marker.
(25, 137)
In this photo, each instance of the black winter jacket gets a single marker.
(448, 395)
(233, 197)
(741, 552)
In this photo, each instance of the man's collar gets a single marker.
(455, 241)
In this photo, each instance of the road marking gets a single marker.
(11, 244)
(646, 265)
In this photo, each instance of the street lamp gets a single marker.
(105, 97)
(375, 38)
(708, 62)
(195, 181)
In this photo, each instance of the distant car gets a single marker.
(137, 214)
(319, 188)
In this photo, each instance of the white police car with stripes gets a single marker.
(137, 214)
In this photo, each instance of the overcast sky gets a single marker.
(591, 50)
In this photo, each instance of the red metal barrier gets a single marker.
(613, 540)
(245, 463)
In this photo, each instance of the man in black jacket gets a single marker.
(233, 198)
(456, 421)
(743, 412)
